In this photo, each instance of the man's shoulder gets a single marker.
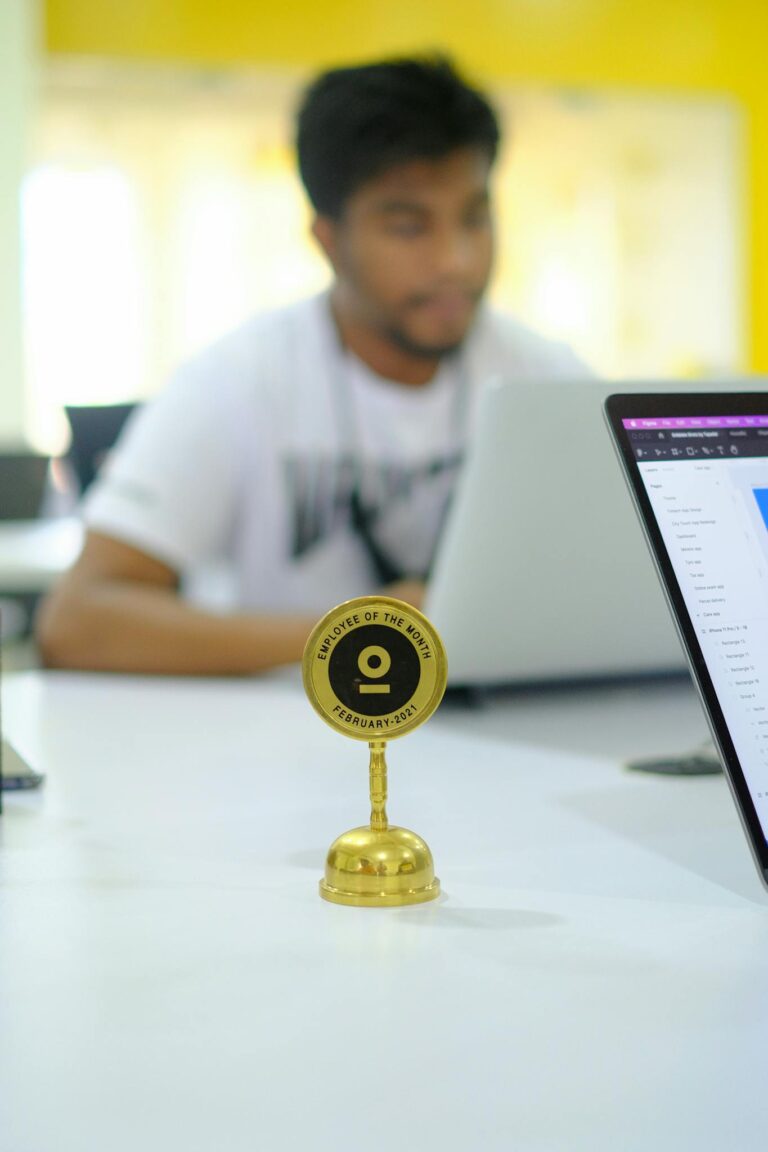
(264, 340)
(506, 345)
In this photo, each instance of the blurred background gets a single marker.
(149, 198)
(149, 201)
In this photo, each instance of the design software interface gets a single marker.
(707, 481)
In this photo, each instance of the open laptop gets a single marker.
(541, 575)
(15, 773)
(697, 467)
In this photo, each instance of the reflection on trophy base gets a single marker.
(370, 868)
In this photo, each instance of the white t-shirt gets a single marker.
(251, 455)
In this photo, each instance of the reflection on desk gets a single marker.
(173, 979)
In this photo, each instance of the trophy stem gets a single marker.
(378, 778)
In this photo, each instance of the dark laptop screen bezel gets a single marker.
(620, 407)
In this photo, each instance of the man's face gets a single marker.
(413, 250)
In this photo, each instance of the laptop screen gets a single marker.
(706, 479)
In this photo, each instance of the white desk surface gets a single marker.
(33, 553)
(595, 976)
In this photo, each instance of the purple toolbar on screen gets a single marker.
(699, 422)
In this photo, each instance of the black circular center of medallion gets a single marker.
(374, 670)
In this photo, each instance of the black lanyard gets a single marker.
(361, 518)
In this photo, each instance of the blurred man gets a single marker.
(315, 448)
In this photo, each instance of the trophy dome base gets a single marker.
(367, 868)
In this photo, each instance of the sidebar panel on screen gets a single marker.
(707, 481)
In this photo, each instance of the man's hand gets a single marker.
(411, 591)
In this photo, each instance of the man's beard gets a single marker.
(397, 335)
(403, 341)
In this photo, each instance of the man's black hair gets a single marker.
(355, 123)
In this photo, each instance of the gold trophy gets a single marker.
(374, 668)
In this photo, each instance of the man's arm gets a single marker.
(118, 610)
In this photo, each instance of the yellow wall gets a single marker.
(683, 45)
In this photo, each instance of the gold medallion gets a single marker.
(374, 669)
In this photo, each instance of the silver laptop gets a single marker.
(541, 574)
(15, 773)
